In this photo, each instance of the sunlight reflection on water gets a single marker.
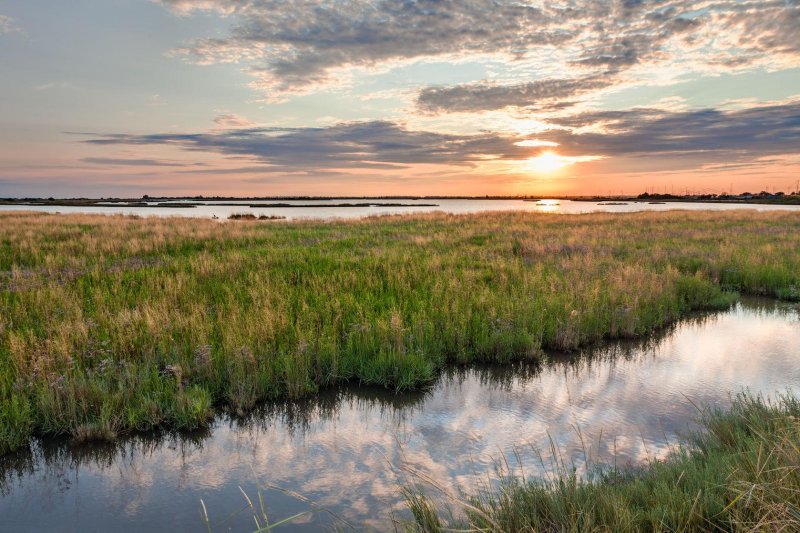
(445, 205)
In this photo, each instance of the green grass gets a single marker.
(740, 473)
(113, 324)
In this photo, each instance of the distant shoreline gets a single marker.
(703, 199)
(124, 203)
(187, 202)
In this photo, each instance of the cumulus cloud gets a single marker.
(703, 136)
(295, 46)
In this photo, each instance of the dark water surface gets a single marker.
(344, 449)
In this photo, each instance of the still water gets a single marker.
(448, 206)
(345, 449)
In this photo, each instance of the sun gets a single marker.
(547, 162)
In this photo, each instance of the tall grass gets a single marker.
(740, 473)
(112, 324)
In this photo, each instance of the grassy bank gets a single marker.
(109, 324)
(740, 473)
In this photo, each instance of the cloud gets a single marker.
(154, 100)
(55, 85)
(664, 137)
(233, 121)
(7, 25)
(709, 135)
(364, 145)
(536, 142)
(129, 162)
(473, 97)
(186, 7)
(294, 47)
(769, 27)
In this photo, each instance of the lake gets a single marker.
(447, 205)
(346, 449)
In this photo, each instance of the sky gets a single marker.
(102, 98)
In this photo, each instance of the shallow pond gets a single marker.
(345, 449)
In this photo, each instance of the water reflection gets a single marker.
(342, 449)
(445, 205)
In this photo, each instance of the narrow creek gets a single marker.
(623, 402)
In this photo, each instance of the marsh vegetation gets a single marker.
(113, 324)
(251, 216)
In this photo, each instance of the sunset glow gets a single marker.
(549, 162)
(388, 97)
(328, 254)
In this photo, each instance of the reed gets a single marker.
(110, 324)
